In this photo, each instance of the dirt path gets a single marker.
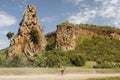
(57, 76)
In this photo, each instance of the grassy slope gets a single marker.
(98, 48)
(95, 47)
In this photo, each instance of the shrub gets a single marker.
(61, 55)
(38, 61)
(78, 60)
(53, 61)
(17, 61)
(103, 64)
(3, 61)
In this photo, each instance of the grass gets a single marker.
(112, 78)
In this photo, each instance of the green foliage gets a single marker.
(17, 61)
(3, 61)
(10, 35)
(78, 60)
(50, 41)
(65, 24)
(59, 56)
(39, 61)
(53, 61)
(100, 48)
(101, 64)
(99, 29)
(34, 36)
(105, 64)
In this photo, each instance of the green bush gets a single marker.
(38, 61)
(61, 55)
(53, 61)
(78, 60)
(17, 61)
(105, 64)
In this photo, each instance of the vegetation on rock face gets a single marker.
(99, 29)
(50, 37)
(34, 36)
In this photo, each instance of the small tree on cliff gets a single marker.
(34, 36)
(10, 35)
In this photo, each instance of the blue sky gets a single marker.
(53, 12)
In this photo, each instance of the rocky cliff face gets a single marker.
(67, 34)
(29, 37)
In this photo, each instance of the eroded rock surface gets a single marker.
(66, 36)
(26, 40)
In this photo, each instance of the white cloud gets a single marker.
(107, 9)
(107, 1)
(6, 19)
(76, 2)
(48, 19)
(83, 16)
(110, 9)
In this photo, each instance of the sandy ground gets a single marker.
(75, 76)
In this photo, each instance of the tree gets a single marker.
(10, 35)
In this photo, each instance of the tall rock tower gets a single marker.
(29, 37)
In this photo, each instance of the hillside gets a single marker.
(84, 43)
(96, 43)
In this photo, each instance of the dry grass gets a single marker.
(71, 73)
(29, 71)
(112, 78)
